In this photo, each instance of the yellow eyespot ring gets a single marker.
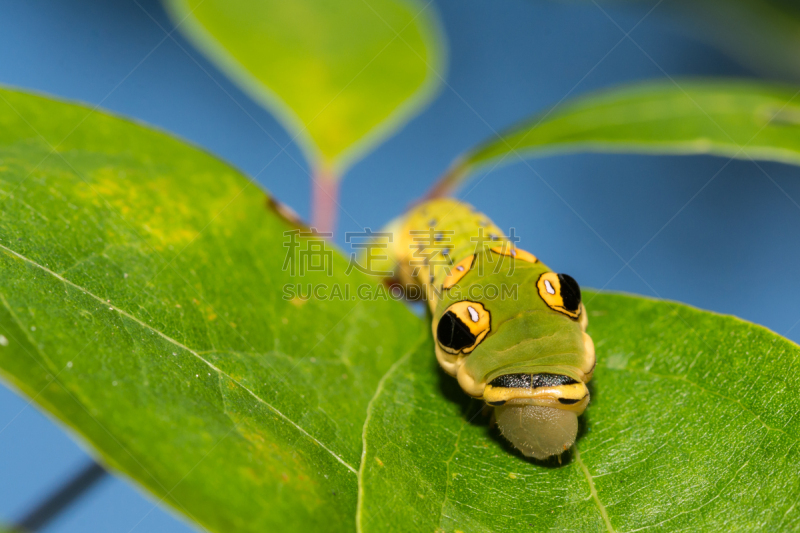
(458, 271)
(516, 253)
(561, 293)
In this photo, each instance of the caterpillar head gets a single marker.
(528, 356)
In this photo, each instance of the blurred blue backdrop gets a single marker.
(715, 234)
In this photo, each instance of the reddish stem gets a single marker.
(324, 200)
(447, 183)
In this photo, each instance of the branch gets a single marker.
(58, 501)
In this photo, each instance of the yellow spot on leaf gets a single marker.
(380, 463)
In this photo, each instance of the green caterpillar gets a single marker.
(511, 331)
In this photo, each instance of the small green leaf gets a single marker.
(692, 426)
(735, 119)
(340, 74)
(141, 304)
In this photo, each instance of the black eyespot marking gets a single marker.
(570, 293)
(568, 401)
(528, 381)
(453, 333)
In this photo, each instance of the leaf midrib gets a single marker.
(184, 347)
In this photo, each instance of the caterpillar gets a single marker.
(510, 330)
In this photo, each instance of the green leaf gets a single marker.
(340, 74)
(736, 119)
(141, 285)
(691, 427)
(763, 35)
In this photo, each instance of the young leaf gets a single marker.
(340, 75)
(728, 118)
(692, 427)
(141, 304)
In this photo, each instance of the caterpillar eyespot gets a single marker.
(462, 327)
(527, 357)
(561, 293)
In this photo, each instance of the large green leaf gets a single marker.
(691, 427)
(141, 305)
(341, 74)
(728, 118)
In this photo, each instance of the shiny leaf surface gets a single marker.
(141, 304)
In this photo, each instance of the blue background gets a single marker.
(728, 244)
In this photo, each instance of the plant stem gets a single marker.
(324, 200)
(60, 499)
(448, 182)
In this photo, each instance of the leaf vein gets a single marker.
(378, 390)
(593, 490)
